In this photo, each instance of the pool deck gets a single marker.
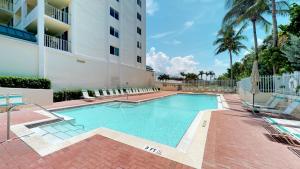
(235, 140)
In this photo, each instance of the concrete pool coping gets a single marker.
(190, 150)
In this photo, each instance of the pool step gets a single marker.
(59, 131)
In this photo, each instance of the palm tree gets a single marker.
(206, 75)
(230, 40)
(201, 73)
(243, 11)
(211, 74)
(281, 8)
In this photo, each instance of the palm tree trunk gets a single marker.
(231, 72)
(255, 38)
(275, 30)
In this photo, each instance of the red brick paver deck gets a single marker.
(237, 140)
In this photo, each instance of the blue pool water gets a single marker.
(163, 120)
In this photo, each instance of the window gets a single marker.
(139, 30)
(139, 59)
(114, 51)
(139, 45)
(139, 2)
(114, 13)
(114, 32)
(139, 16)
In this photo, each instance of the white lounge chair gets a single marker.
(97, 94)
(104, 92)
(128, 91)
(135, 91)
(86, 96)
(122, 92)
(111, 92)
(117, 92)
(287, 111)
(270, 104)
(284, 122)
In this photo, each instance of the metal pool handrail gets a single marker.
(59, 117)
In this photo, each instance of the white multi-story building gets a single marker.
(75, 43)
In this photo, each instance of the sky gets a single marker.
(180, 36)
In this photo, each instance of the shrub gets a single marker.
(21, 82)
(65, 95)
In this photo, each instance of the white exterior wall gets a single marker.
(89, 64)
(17, 57)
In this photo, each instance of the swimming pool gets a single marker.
(162, 120)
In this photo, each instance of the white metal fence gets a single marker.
(57, 43)
(286, 84)
(199, 86)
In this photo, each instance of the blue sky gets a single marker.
(180, 34)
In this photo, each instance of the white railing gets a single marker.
(57, 14)
(57, 43)
(6, 5)
(199, 86)
(285, 84)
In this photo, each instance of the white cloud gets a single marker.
(162, 35)
(162, 63)
(174, 42)
(188, 24)
(260, 41)
(220, 63)
(151, 7)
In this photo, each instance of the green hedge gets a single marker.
(21, 82)
(65, 95)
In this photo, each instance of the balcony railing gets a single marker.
(6, 5)
(57, 43)
(57, 14)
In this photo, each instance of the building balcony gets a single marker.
(57, 14)
(56, 21)
(6, 12)
(57, 43)
(6, 5)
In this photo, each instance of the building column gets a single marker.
(23, 11)
(107, 47)
(72, 36)
(41, 35)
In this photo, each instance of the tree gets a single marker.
(230, 40)
(276, 8)
(206, 75)
(189, 76)
(163, 77)
(294, 25)
(211, 74)
(201, 73)
(292, 51)
(243, 11)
